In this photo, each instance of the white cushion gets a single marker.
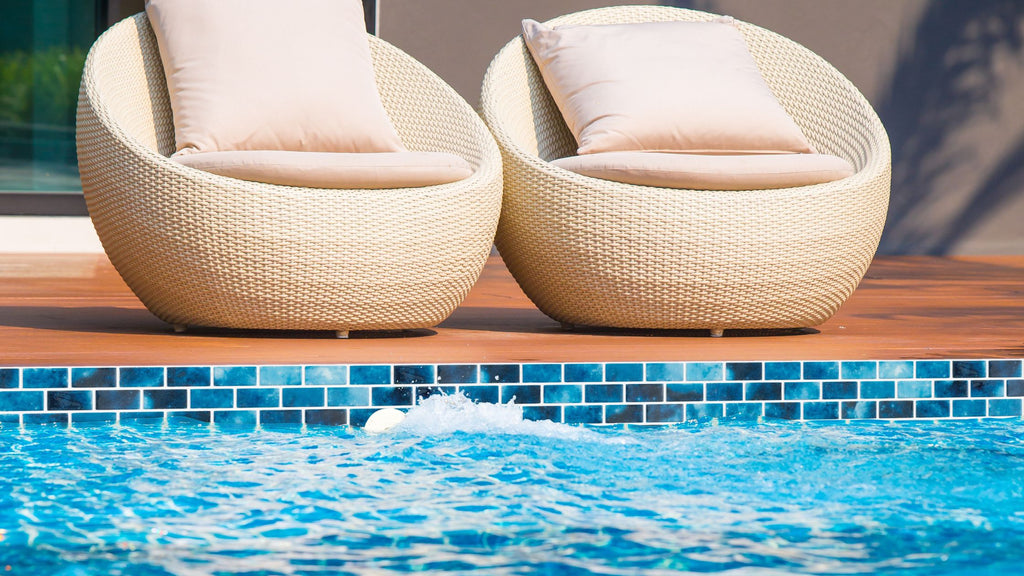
(270, 75)
(333, 170)
(661, 86)
(710, 172)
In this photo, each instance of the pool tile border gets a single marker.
(572, 392)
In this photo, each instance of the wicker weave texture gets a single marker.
(600, 253)
(204, 250)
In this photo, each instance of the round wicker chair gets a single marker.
(600, 253)
(205, 250)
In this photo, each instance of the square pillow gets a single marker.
(270, 75)
(688, 87)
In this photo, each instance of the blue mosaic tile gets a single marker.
(235, 418)
(723, 391)
(743, 411)
(645, 393)
(21, 401)
(542, 372)
(969, 369)
(391, 396)
(691, 392)
(327, 417)
(272, 417)
(860, 370)
(98, 418)
(563, 394)
(859, 410)
(1015, 387)
(969, 408)
(933, 409)
(69, 400)
(665, 413)
(457, 374)
(44, 378)
(604, 392)
(802, 390)
(142, 377)
(821, 370)
(896, 409)
(234, 376)
(359, 416)
(488, 394)
(701, 371)
(10, 419)
(782, 371)
(698, 412)
(180, 376)
(763, 391)
(988, 388)
(379, 374)
(499, 373)
(932, 369)
(1004, 407)
(522, 394)
(9, 378)
(164, 399)
(821, 410)
(326, 376)
(419, 374)
(212, 398)
(118, 399)
(582, 414)
(584, 373)
(424, 392)
(302, 397)
(623, 413)
(913, 389)
(281, 376)
(553, 413)
(44, 418)
(258, 397)
(782, 410)
(951, 388)
(141, 417)
(896, 369)
(666, 371)
(1004, 368)
(878, 389)
(190, 417)
(743, 371)
(623, 372)
(842, 390)
(93, 377)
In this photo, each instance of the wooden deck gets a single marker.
(73, 310)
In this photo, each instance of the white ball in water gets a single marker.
(383, 420)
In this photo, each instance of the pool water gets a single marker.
(473, 488)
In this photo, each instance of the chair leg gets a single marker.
(717, 332)
(341, 334)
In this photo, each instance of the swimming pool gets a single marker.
(464, 488)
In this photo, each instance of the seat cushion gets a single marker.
(710, 172)
(263, 75)
(332, 169)
(661, 87)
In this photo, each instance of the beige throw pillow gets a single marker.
(333, 170)
(710, 172)
(270, 75)
(661, 86)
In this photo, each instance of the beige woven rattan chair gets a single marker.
(204, 250)
(600, 253)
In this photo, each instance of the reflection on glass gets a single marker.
(43, 44)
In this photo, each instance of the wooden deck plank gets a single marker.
(73, 310)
